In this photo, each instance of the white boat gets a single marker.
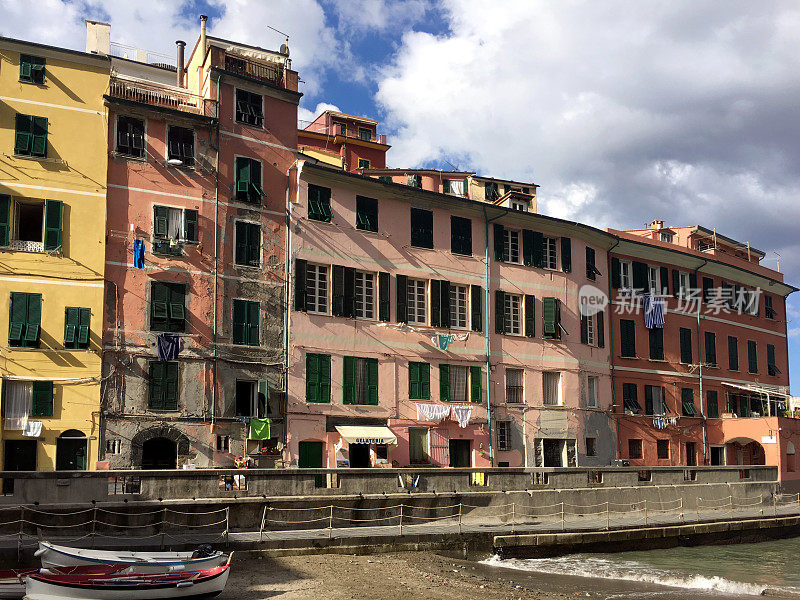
(52, 555)
(205, 583)
(12, 581)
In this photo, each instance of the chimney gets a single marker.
(203, 19)
(98, 37)
(656, 225)
(181, 46)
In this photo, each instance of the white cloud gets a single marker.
(375, 16)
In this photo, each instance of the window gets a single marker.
(458, 306)
(415, 180)
(458, 383)
(31, 69)
(656, 335)
(360, 381)
(687, 403)
(248, 180)
(591, 269)
(711, 348)
(24, 320)
(163, 385)
(625, 275)
(113, 446)
(130, 136)
(28, 397)
(167, 312)
(551, 388)
(30, 138)
(514, 386)
(366, 213)
(416, 301)
(654, 279)
(549, 256)
(318, 378)
(654, 402)
(76, 328)
(769, 311)
(491, 191)
(223, 443)
(365, 295)
(421, 228)
(588, 323)
(419, 381)
(248, 244)
(665, 237)
(418, 445)
(733, 353)
(686, 345)
(591, 446)
(712, 404)
(662, 449)
(363, 163)
(752, 357)
(519, 206)
(503, 435)
(513, 314)
(460, 236)
(385, 178)
(245, 323)
(511, 245)
(249, 108)
(772, 368)
(629, 397)
(317, 288)
(627, 330)
(634, 448)
(32, 226)
(551, 318)
(342, 128)
(364, 133)
(591, 391)
(180, 145)
(251, 398)
(684, 287)
(708, 289)
(171, 226)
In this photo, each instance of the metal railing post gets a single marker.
(94, 524)
(608, 517)
(401, 519)
(330, 523)
(798, 502)
(19, 536)
(562, 516)
(263, 521)
(513, 515)
(460, 511)
(163, 526)
(645, 512)
(697, 507)
(774, 506)
(731, 501)
(227, 525)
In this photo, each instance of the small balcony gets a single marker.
(161, 96)
(267, 72)
(349, 131)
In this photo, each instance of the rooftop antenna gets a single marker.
(285, 45)
(455, 167)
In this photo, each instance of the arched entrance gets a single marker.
(71, 451)
(159, 453)
(745, 451)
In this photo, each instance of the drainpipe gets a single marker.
(286, 293)
(700, 357)
(216, 261)
(611, 344)
(486, 221)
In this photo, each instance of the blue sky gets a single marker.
(622, 111)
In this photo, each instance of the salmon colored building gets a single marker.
(428, 329)
(346, 141)
(711, 385)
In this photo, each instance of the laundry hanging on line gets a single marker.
(167, 345)
(432, 412)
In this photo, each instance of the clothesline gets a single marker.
(438, 412)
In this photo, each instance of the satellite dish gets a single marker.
(175, 162)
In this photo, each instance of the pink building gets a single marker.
(346, 141)
(426, 328)
(198, 156)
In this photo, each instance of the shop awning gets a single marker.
(365, 434)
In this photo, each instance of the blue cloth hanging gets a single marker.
(138, 254)
(167, 345)
(444, 340)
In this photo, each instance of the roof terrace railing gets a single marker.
(163, 96)
(271, 73)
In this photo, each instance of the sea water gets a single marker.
(733, 570)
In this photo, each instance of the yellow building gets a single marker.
(53, 141)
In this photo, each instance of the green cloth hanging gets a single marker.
(260, 429)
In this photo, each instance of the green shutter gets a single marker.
(372, 381)
(445, 186)
(349, 380)
(177, 300)
(499, 242)
(171, 386)
(18, 316)
(566, 254)
(615, 273)
(156, 401)
(530, 316)
(71, 323)
(53, 210)
(39, 144)
(476, 305)
(324, 392)
(253, 310)
(535, 250)
(160, 221)
(190, 225)
(639, 275)
(402, 299)
(549, 317)
(42, 399)
(312, 378)
(255, 192)
(159, 298)
(686, 345)
(239, 316)
(425, 381)
(475, 384)
(23, 134)
(242, 178)
(33, 321)
(419, 381)
(85, 315)
(444, 383)
(5, 219)
(413, 380)
(499, 311)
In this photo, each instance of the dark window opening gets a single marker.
(181, 145)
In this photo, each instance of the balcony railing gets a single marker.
(350, 132)
(271, 73)
(166, 97)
